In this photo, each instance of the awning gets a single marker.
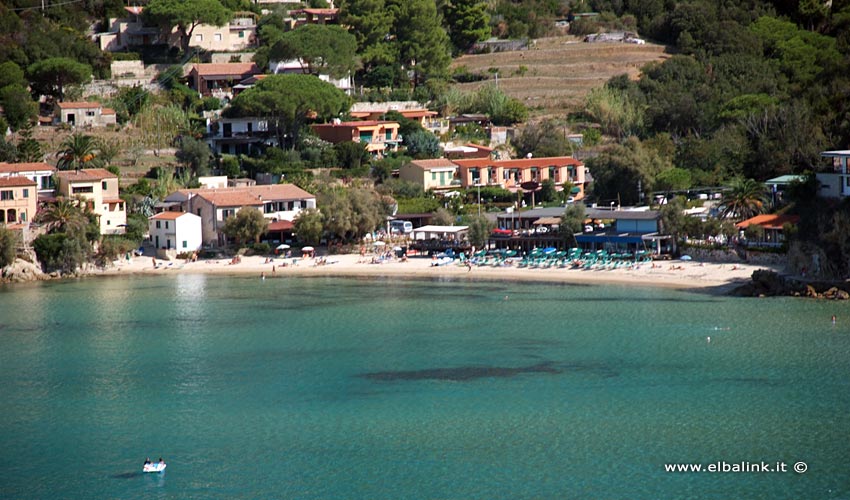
(547, 221)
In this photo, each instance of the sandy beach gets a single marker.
(671, 274)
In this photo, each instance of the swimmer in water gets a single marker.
(708, 340)
(833, 319)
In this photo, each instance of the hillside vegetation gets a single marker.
(557, 73)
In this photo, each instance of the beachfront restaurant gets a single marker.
(621, 231)
(436, 239)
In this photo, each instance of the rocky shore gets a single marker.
(766, 283)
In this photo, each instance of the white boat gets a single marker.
(154, 467)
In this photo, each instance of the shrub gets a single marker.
(261, 248)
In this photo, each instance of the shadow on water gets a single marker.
(127, 475)
(462, 373)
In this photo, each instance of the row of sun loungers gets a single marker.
(549, 258)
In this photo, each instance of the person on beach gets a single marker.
(154, 262)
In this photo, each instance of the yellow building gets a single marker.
(436, 174)
(100, 188)
(18, 196)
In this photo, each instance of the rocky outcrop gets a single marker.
(22, 271)
(770, 284)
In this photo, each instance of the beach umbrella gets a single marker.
(282, 246)
(307, 250)
(379, 243)
(397, 249)
(685, 257)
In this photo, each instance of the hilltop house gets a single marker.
(100, 188)
(378, 136)
(39, 172)
(124, 33)
(238, 135)
(218, 79)
(298, 67)
(83, 114)
(411, 110)
(835, 184)
(175, 231)
(277, 202)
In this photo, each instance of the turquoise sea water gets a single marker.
(387, 389)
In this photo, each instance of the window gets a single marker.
(241, 34)
(157, 225)
(166, 224)
(7, 195)
(389, 135)
(185, 244)
(217, 37)
(103, 185)
(82, 189)
(89, 113)
(199, 38)
(23, 216)
(365, 136)
(26, 193)
(433, 176)
(108, 222)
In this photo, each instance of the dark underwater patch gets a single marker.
(461, 374)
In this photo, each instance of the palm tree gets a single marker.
(63, 216)
(78, 151)
(745, 199)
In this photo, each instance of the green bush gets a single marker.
(261, 248)
(113, 246)
(126, 56)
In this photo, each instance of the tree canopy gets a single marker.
(288, 102)
(51, 76)
(187, 15)
(321, 48)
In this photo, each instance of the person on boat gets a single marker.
(161, 460)
(147, 461)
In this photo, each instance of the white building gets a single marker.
(297, 66)
(177, 231)
(836, 184)
(238, 135)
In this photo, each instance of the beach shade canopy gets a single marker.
(307, 249)
(685, 257)
(282, 246)
(379, 243)
(397, 249)
(549, 250)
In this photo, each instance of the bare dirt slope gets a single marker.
(560, 71)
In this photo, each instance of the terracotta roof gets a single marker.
(769, 221)
(86, 174)
(280, 225)
(113, 200)
(78, 105)
(227, 198)
(436, 163)
(479, 147)
(168, 215)
(362, 123)
(134, 10)
(16, 181)
(225, 69)
(107, 111)
(248, 195)
(25, 167)
(520, 163)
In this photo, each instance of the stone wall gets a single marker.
(734, 257)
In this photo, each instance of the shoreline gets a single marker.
(681, 275)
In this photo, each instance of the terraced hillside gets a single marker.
(560, 71)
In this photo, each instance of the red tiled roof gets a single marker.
(479, 147)
(519, 163)
(25, 167)
(226, 69)
(168, 215)
(280, 225)
(769, 221)
(16, 181)
(86, 174)
(78, 105)
(249, 195)
(134, 10)
(113, 200)
(107, 111)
